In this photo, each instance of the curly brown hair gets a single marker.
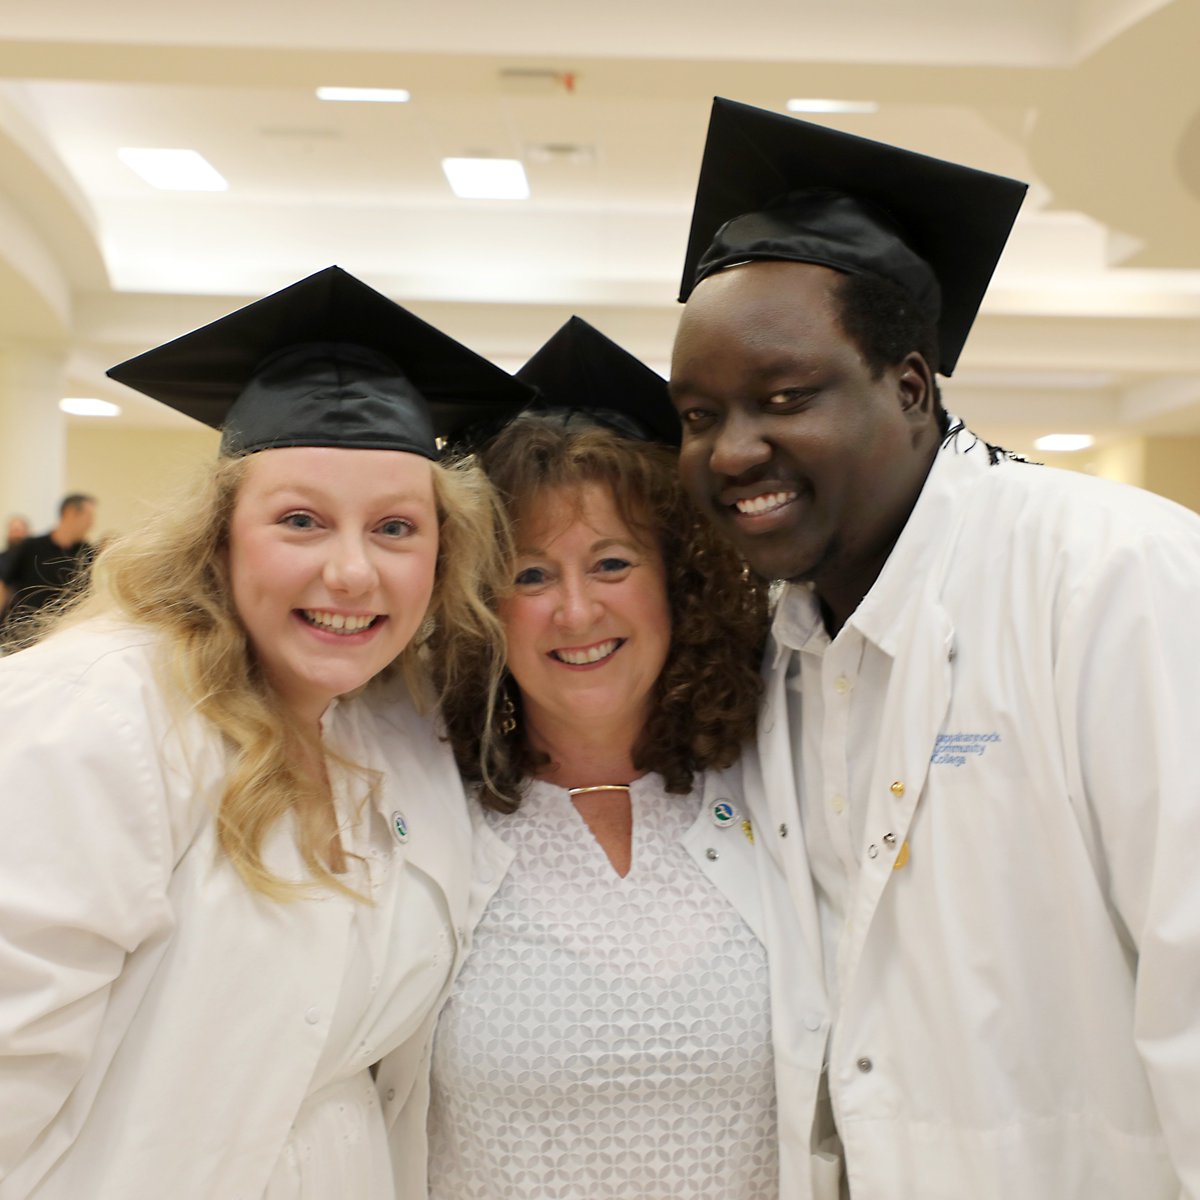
(706, 697)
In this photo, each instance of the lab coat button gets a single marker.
(865, 1065)
(390, 1095)
(898, 788)
(313, 1015)
(841, 685)
(838, 803)
(783, 831)
(486, 875)
(889, 839)
(711, 854)
(812, 1021)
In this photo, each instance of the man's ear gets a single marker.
(914, 381)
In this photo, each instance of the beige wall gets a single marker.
(132, 472)
(1123, 461)
(1173, 469)
(1169, 466)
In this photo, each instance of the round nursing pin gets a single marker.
(723, 814)
(400, 827)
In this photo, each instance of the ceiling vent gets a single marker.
(537, 81)
(574, 154)
(300, 133)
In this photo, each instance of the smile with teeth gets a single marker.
(754, 506)
(343, 623)
(588, 654)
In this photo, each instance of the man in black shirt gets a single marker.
(42, 567)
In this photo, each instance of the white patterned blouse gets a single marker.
(608, 1038)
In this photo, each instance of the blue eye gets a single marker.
(299, 520)
(530, 577)
(397, 527)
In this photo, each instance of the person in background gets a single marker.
(39, 570)
(236, 851)
(975, 755)
(610, 1033)
(16, 531)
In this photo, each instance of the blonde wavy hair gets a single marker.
(173, 576)
(705, 701)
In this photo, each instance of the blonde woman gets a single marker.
(235, 850)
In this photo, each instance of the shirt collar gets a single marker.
(797, 621)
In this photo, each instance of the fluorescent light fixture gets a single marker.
(361, 95)
(79, 406)
(173, 170)
(1065, 442)
(487, 178)
(801, 104)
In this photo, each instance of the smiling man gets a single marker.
(974, 758)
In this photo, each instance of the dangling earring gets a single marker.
(508, 715)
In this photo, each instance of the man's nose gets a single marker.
(739, 446)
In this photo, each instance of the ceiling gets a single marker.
(1092, 322)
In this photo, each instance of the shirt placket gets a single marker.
(839, 679)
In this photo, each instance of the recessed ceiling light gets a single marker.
(362, 95)
(487, 178)
(1065, 442)
(812, 105)
(80, 406)
(173, 170)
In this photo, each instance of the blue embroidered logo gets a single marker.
(954, 749)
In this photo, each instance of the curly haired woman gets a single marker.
(610, 1033)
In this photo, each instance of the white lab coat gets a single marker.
(1020, 999)
(754, 885)
(159, 1022)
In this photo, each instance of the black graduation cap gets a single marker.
(579, 370)
(774, 187)
(327, 361)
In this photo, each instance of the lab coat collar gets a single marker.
(924, 542)
(920, 550)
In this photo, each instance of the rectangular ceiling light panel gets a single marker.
(487, 178)
(364, 95)
(814, 105)
(173, 170)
